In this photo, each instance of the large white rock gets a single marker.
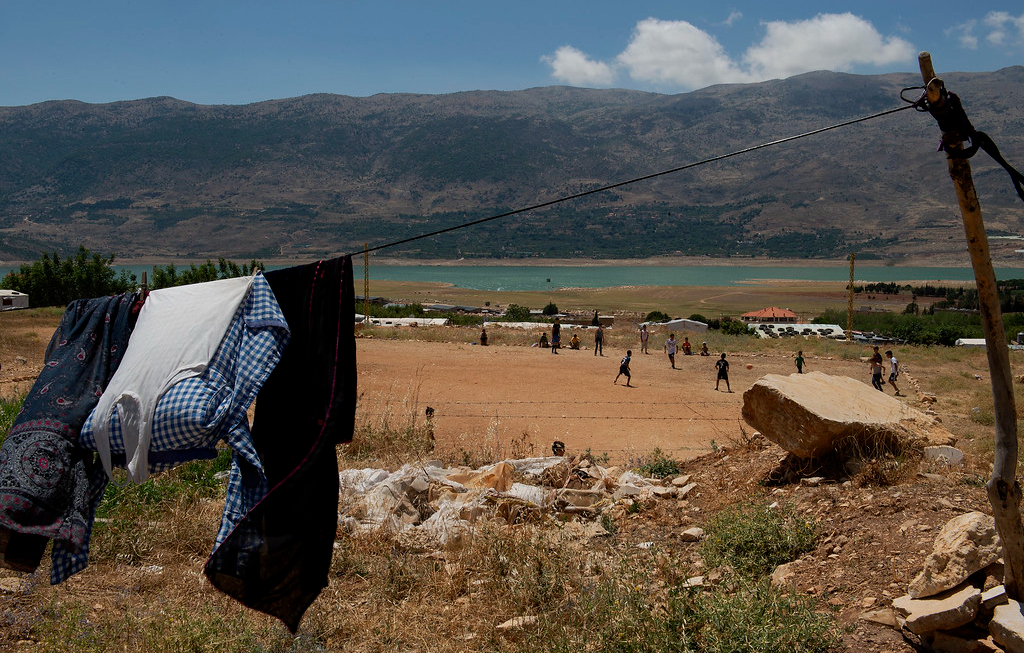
(966, 544)
(1007, 627)
(943, 612)
(807, 414)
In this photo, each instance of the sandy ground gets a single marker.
(489, 396)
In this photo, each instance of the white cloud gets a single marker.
(1007, 30)
(827, 41)
(574, 67)
(677, 54)
(733, 17)
(964, 33)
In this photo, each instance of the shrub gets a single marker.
(734, 327)
(550, 309)
(8, 411)
(517, 313)
(658, 465)
(697, 317)
(754, 539)
(656, 316)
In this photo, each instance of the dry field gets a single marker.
(144, 589)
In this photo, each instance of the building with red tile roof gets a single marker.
(770, 314)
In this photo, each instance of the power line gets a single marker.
(635, 180)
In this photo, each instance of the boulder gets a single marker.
(966, 544)
(1007, 627)
(808, 414)
(945, 611)
(945, 454)
(694, 534)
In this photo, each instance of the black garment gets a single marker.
(277, 559)
(44, 486)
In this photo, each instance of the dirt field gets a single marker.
(497, 393)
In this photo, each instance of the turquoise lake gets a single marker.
(498, 277)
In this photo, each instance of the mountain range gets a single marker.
(319, 175)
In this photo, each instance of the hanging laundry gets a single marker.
(277, 558)
(178, 331)
(197, 412)
(44, 475)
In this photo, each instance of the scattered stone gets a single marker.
(580, 498)
(695, 581)
(784, 574)
(945, 454)
(944, 611)
(966, 544)
(686, 489)
(624, 491)
(518, 623)
(884, 617)
(21, 360)
(13, 586)
(799, 413)
(694, 534)
(680, 481)
(993, 597)
(1007, 627)
(962, 640)
(812, 481)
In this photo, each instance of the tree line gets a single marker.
(56, 281)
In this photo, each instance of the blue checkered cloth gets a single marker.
(196, 413)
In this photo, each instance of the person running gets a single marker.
(624, 368)
(644, 336)
(722, 366)
(876, 370)
(599, 340)
(670, 348)
(894, 371)
(556, 336)
(799, 360)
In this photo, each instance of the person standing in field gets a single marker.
(894, 371)
(722, 366)
(599, 340)
(483, 337)
(799, 360)
(556, 336)
(644, 336)
(876, 370)
(624, 368)
(670, 349)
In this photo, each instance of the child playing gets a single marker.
(624, 368)
(894, 371)
(799, 360)
(722, 366)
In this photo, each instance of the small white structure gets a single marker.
(773, 330)
(680, 324)
(403, 321)
(12, 299)
(970, 342)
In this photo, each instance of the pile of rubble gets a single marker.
(431, 507)
(958, 601)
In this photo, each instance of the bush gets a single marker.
(656, 316)
(734, 327)
(754, 539)
(697, 317)
(658, 465)
(517, 313)
(51, 281)
(550, 309)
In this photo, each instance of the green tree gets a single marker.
(517, 313)
(697, 317)
(167, 276)
(52, 281)
(656, 316)
(734, 327)
(550, 309)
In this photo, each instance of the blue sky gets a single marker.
(236, 52)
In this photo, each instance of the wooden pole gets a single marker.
(366, 284)
(849, 303)
(1004, 492)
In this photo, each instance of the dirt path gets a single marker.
(489, 396)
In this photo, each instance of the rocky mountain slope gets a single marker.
(322, 174)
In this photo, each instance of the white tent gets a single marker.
(11, 299)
